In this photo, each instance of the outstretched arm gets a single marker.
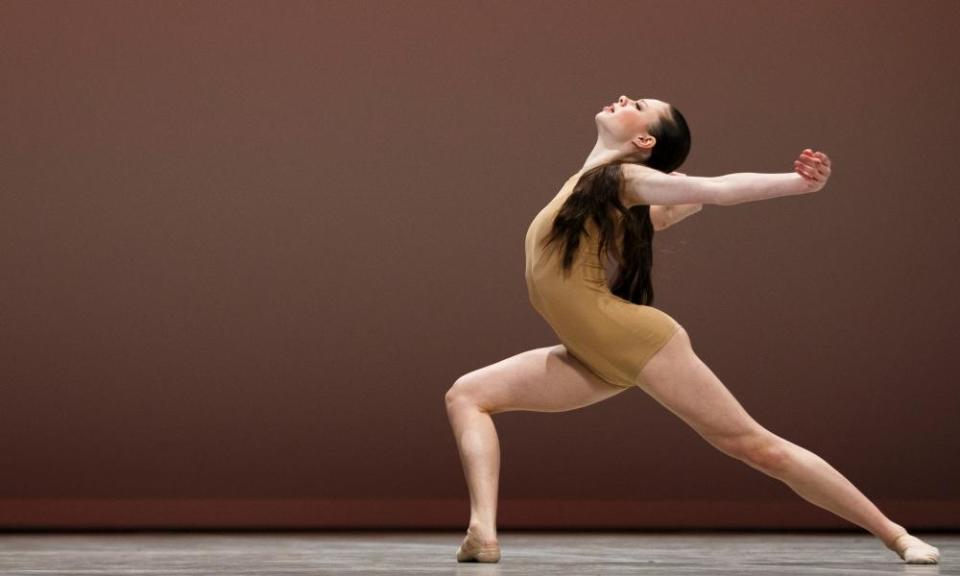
(810, 173)
(666, 216)
(645, 185)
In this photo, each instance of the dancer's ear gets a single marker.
(644, 142)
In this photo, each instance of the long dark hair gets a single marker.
(597, 195)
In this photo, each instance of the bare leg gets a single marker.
(679, 380)
(541, 380)
(479, 449)
(818, 482)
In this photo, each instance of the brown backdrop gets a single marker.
(246, 247)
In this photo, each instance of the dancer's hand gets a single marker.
(814, 167)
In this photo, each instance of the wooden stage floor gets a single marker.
(236, 553)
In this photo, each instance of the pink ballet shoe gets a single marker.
(915, 551)
(473, 550)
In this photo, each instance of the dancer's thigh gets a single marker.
(546, 379)
(678, 379)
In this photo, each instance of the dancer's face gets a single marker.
(625, 123)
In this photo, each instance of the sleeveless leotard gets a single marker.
(613, 337)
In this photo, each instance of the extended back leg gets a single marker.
(679, 380)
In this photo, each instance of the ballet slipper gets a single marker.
(914, 550)
(473, 550)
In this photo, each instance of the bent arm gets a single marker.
(666, 216)
(681, 211)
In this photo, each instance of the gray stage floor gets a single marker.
(540, 553)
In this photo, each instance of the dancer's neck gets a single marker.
(602, 154)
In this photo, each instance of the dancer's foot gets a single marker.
(477, 547)
(914, 550)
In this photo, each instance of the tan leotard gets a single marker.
(611, 336)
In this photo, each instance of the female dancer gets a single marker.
(588, 257)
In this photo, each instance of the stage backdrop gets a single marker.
(246, 247)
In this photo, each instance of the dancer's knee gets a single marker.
(455, 395)
(463, 394)
(760, 449)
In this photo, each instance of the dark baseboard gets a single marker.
(270, 514)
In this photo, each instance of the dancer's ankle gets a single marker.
(482, 533)
(895, 532)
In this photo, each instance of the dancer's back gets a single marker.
(610, 335)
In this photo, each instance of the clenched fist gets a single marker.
(814, 167)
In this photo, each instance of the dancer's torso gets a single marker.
(612, 336)
(588, 274)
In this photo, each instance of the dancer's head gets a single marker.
(646, 131)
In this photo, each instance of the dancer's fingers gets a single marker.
(805, 168)
(809, 172)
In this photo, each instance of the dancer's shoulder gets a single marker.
(645, 185)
